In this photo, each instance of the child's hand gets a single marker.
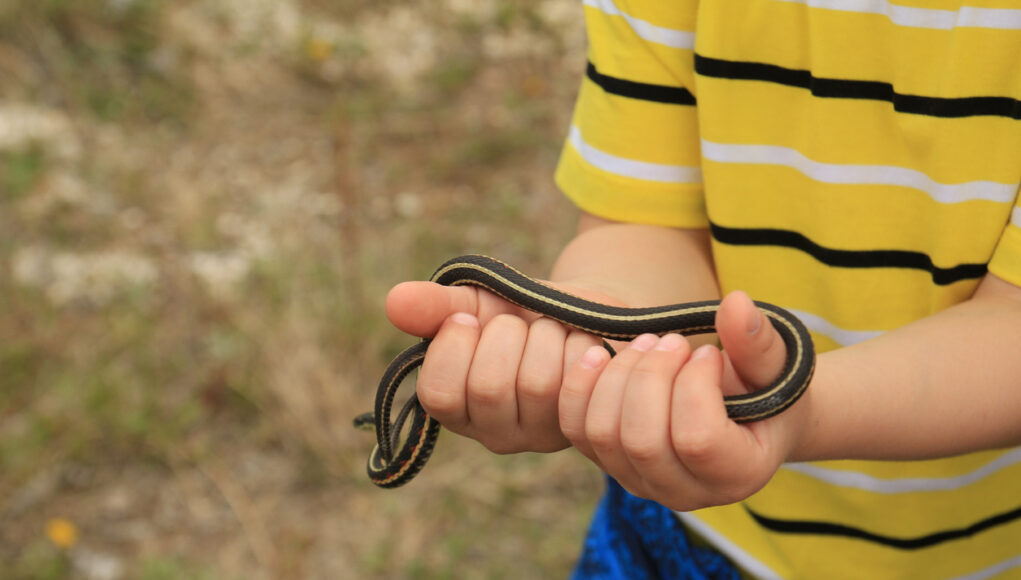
(493, 371)
(653, 416)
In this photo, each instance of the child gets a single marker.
(854, 162)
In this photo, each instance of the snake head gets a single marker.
(365, 422)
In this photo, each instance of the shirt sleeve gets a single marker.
(1006, 260)
(632, 153)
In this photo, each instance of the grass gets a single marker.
(21, 171)
(193, 267)
(98, 57)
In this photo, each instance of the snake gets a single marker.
(393, 463)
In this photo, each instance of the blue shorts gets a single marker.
(638, 539)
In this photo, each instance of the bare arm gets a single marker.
(944, 385)
(640, 265)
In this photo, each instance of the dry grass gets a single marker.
(203, 204)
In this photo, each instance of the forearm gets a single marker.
(638, 264)
(944, 385)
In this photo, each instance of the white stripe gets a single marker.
(993, 570)
(646, 30)
(728, 548)
(1015, 216)
(859, 174)
(841, 336)
(966, 17)
(856, 480)
(631, 167)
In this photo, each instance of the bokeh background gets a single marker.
(202, 205)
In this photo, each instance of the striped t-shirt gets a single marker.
(857, 162)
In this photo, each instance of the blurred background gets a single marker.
(202, 206)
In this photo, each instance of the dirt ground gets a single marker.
(203, 204)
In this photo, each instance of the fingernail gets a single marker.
(464, 319)
(644, 342)
(754, 322)
(702, 352)
(593, 357)
(670, 342)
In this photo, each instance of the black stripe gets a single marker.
(846, 258)
(926, 541)
(857, 89)
(642, 91)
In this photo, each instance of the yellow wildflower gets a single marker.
(318, 49)
(61, 532)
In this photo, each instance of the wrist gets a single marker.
(826, 421)
(803, 421)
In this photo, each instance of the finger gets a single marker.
(707, 442)
(492, 400)
(420, 308)
(538, 384)
(645, 413)
(603, 420)
(754, 347)
(577, 344)
(579, 382)
(444, 373)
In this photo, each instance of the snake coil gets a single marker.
(392, 464)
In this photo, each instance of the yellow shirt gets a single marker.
(857, 162)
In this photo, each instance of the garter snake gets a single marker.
(392, 464)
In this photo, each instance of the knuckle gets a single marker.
(732, 494)
(694, 446)
(440, 403)
(667, 493)
(487, 391)
(505, 323)
(572, 434)
(545, 325)
(647, 371)
(502, 446)
(603, 438)
(574, 391)
(684, 504)
(639, 488)
(615, 373)
(641, 447)
(537, 385)
(549, 443)
(572, 430)
(725, 493)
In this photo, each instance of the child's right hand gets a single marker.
(493, 371)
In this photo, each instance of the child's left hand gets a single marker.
(653, 417)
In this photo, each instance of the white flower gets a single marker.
(97, 277)
(22, 125)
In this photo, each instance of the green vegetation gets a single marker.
(203, 203)
(97, 56)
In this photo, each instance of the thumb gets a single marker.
(419, 308)
(755, 350)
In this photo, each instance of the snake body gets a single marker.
(392, 464)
